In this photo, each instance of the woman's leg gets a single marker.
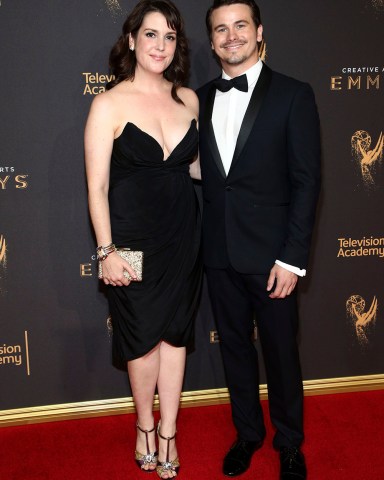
(143, 374)
(170, 381)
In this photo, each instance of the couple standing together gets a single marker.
(259, 155)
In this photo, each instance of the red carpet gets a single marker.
(344, 441)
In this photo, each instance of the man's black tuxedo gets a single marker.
(262, 211)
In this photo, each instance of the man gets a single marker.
(260, 157)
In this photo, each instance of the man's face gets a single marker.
(234, 36)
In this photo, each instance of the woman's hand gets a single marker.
(113, 271)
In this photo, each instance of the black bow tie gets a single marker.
(241, 83)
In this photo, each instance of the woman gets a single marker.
(140, 143)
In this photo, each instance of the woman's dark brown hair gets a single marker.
(122, 61)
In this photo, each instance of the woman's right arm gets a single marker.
(98, 143)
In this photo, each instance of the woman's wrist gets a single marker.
(102, 252)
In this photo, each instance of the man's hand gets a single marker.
(284, 280)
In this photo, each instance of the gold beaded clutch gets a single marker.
(134, 258)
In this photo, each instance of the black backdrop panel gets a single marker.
(54, 340)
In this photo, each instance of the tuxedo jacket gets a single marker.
(264, 209)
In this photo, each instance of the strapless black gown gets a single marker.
(154, 208)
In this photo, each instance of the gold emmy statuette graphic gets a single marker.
(114, 6)
(3, 251)
(361, 319)
(378, 5)
(263, 51)
(367, 158)
(3, 263)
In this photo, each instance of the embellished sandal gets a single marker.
(149, 457)
(167, 466)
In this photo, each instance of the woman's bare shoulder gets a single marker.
(103, 103)
(189, 98)
(111, 102)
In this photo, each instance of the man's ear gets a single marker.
(259, 33)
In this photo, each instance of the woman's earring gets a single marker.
(132, 48)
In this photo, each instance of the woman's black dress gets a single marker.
(153, 208)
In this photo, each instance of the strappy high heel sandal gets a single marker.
(167, 466)
(149, 457)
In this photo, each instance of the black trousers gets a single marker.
(236, 300)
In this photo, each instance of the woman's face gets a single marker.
(155, 43)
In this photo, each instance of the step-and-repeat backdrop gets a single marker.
(54, 331)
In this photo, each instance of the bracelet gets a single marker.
(103, 252)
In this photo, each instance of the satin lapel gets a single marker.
(207, 116)
(252, 112)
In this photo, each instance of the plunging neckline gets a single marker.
(193, 121)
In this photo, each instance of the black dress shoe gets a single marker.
(239, 457)
(292, 464)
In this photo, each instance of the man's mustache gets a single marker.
(230, 44)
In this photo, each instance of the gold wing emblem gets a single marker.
(366, 157)
(3, 250)
(114, 7)
(363, 319)
(263, 51)
(370, 156)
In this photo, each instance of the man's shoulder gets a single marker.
(204, 89)
(288, 82)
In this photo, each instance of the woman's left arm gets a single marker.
(191, 102)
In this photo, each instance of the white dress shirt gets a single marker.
(227, 117)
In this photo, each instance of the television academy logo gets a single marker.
(16, 354)
(367, 246)
(362, 320)
(95, 83)
(367, 158)
(11, 355)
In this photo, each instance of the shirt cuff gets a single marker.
(291, 268)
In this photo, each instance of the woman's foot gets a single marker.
(167, 468)
(146, 442)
